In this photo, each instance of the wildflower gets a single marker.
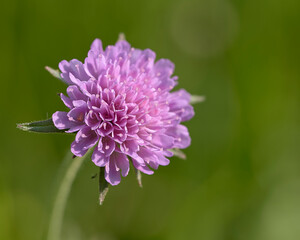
(120, 102)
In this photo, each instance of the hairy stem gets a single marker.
(56, 219)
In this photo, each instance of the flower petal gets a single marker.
(97, 46)
(85, 139)
(162, 160)
(99, 158)
(162, 141)
(67, 101)
(74, 67)
(121, 162)
(179, 102)
(181, 136)
(142, 168)
(108, 146)
(111, 174)
(123, 46)
(61, 120)
(94, 64)
(75, 94)
(149, 157)
(163, 68)
(77, 114)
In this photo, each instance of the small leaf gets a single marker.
(197, 99)
(55, 73)
(44, 126)
(139, 177)
(178, 153)
(103, 185)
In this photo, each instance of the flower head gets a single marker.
(120, 102)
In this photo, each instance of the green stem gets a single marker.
(58, 210)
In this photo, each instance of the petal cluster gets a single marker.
(119, 101)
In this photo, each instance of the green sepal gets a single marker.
(103, 185)
(178, 153)
(197, 99)
(44, 126)
(138, 177)
(55, 73)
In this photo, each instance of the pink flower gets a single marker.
(120, 102)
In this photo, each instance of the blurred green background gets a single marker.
(241, 180)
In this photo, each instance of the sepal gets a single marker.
(55, 73)
(197, 99)
(178, 153)
(103, 185)
(44, 126)
(139, 177)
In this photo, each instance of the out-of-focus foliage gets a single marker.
(241, 179)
